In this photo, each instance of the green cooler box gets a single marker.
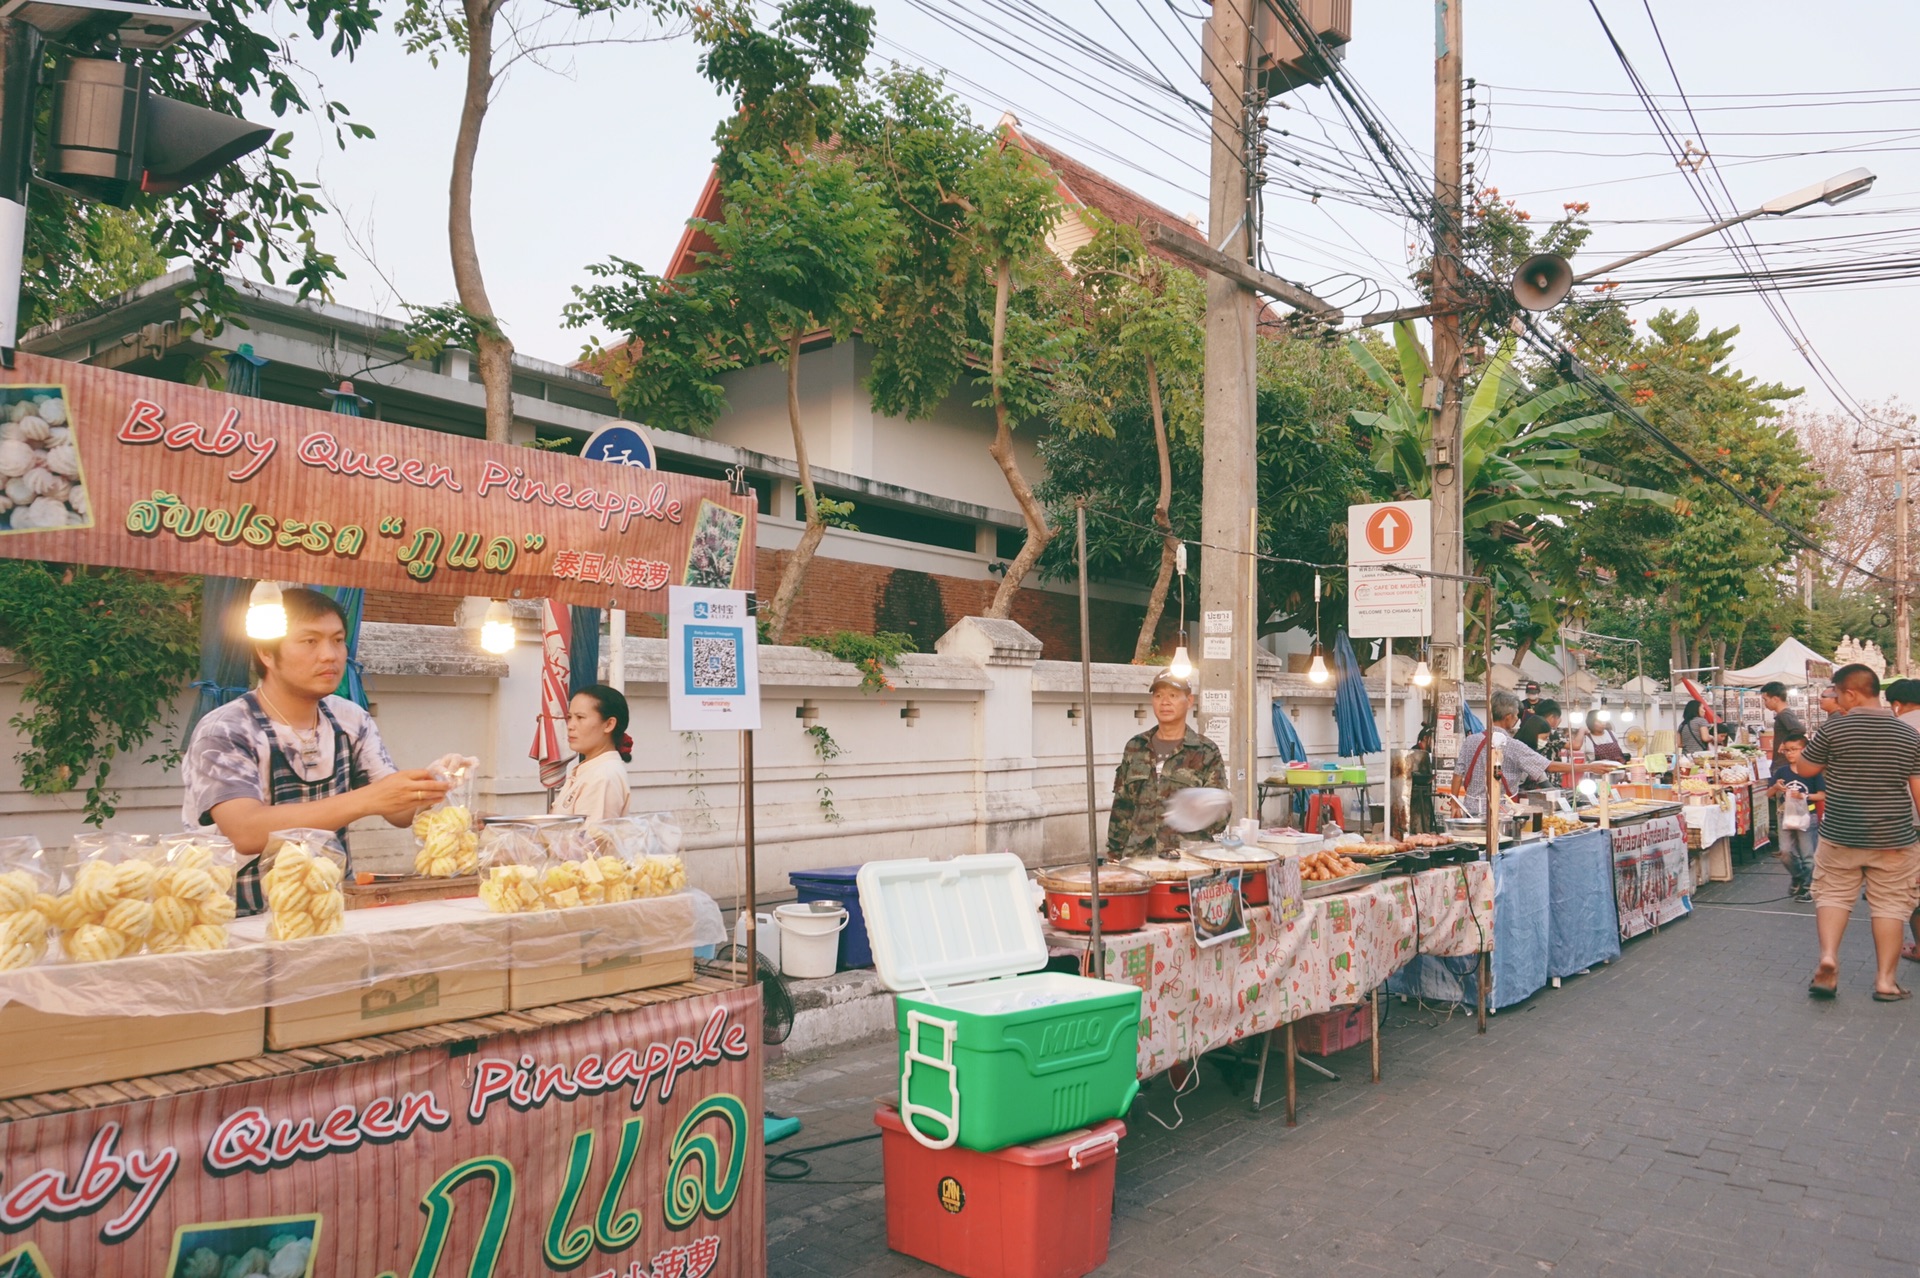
(990, 1057)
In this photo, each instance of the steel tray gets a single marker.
(1346, 882)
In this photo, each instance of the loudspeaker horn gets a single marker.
(1542, 281)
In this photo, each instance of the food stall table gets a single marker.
(631, 1099)
(1296, 959)
(1710, 830)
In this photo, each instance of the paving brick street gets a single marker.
(1686, 1110)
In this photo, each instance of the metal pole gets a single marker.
(1388, 805)
(1250, 725)
(1493, 826)
(1086, 722)
(22, 70)
(746, 819)
(1228, 437)
(1902, 602)
(1688, 238)
(617, 650)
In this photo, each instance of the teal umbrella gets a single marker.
(1352, 710)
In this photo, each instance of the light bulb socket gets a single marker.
(496, 631)
(266, 612)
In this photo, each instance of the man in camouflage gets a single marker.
(1169, 757)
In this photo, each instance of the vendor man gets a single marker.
(1169, 757)
(1520, 765)
(290, 754)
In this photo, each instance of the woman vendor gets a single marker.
(290, 754)
(597, 732)
(1169, 756)
(1696, 733)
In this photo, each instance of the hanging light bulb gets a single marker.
(1422, 674)
(1317, 669)
(496, 632)
(1181, 667)
(1601, 712)
(266, 614)
(1626, 714)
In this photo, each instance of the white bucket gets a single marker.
(810, 938)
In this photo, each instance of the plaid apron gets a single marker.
(284, 785)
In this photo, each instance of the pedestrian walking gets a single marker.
(1870, 763)
(1785, 718)
(1799, 823)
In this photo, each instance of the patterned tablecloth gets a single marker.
(1330, 954)
(1709, 823)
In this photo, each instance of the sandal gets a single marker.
(1911, 952)
(1816, 990)
(1880, 996)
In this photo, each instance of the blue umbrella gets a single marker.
(1469, 721)
(1352, 710)
(583, 658)
(1286, 740)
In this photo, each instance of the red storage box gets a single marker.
(1335, 1031)
(1042, 1210)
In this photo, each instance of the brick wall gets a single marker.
(840, 595)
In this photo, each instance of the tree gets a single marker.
(491, 36)
(1859, 518)
(256, 210)
(1310, 470)
(799, 248)
(1528, 472)
(1138, 340)
(1716, 562)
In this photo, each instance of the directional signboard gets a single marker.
(1382, 602)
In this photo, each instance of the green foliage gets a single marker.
(106, 653)
(431, 330)
(1532, 468)
(790, 82)
(1310, 470)
(873, 654)
(825, 749)
(257, 210)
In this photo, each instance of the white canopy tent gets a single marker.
(1786, 664)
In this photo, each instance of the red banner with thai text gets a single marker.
(624, 1146)
(101, 467)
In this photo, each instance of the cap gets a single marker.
(1168, 679)
(1532, 687)
(1905, 691)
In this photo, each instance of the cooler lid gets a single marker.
(935, 923)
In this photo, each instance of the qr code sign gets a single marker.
(716, 662)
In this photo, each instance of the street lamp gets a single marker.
(1317, 670)
(1545, 278)
(1181, 667)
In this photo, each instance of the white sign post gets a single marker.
(713, 661)
(1383, 603)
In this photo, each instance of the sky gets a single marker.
(604, 156)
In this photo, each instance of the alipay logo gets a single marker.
(700, 610)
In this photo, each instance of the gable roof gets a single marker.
(1079, 187)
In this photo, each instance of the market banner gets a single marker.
(624, 1146)
(1651, 881)
(101, 467)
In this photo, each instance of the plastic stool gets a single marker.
(1321, 805)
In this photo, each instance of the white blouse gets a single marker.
(597, 789)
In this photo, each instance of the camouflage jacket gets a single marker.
(1139, 789)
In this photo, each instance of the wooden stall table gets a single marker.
(623, 1130)
(1298, 957)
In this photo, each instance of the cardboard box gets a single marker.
(396, 968)
(563, 955)
(367, 891)
(53, 1051)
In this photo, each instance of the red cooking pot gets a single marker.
(1252, 862)
(1069, 889)
(1169, 901)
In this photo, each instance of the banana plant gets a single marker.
(1527, 473)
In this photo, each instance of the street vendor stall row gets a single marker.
(531, 1078)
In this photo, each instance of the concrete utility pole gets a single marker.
(1228, 474)
(1902, 593)
(1441, 394)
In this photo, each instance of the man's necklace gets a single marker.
(308, 743)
